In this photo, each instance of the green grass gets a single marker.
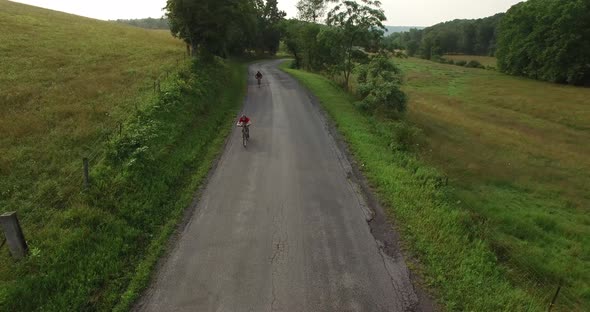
(66, 81)
(514, 149)
(484, 60)
(94, 250)
(513, 223)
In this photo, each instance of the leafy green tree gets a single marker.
(380, 87)
(208, 25)
(290, 30)
(411, 40)
(547, 40)
(309, 42)
(312, 10)
(358, 23)
(269, 19)
(393, 42)
(469, 38)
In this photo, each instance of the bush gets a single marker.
(406, 137)
(379, 86)
(474, 64)
(400, 54)
(451, 62)
(437, 58)
(460, 63)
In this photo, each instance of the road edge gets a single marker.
(383, 228)
(191, 209)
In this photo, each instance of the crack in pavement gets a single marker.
(280, 249)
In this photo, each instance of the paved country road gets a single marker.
(279, 226)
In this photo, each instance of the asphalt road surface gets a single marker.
(279, 226)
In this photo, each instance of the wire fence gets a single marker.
(68, 181)
(556, 291)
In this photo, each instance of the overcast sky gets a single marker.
(399, 13)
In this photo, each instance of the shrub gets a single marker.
(379, 86)
(474, 64)
(406, 137)
(437, 58)
(461, 63)
(400, 54)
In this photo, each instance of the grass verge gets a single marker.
(108, 241)
(454, 258)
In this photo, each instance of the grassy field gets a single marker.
(66, 85)
(516, 151)
(65, 82)
(484, 60)
(514, 216)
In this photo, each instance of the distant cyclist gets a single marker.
(258, 77)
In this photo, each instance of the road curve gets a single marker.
(279, 227)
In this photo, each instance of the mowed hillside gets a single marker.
(517, 153)
(65, 83)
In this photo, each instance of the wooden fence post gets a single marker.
(86, 175)
(14, 235)
(554, 299)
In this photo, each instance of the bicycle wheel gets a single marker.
(244, 136)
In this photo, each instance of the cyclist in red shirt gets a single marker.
(244, 121)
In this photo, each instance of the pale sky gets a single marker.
(398, 12)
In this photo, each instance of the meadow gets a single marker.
(73, 87)
(511, 224)
(517, 155)
(66, 82)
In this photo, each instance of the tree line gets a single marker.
(148, 23)
(476, 37)
(226, 27)
(540, 39)
(547, 40)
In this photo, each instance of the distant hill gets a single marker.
(398, 29)
(148, 23)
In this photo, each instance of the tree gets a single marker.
(312, 10)
(357, 23)
(458, 36)
(412, 40)
(269, 19)
(206, 25)
(290, 30)
(380, 87)
(469, 38)
(547, 40)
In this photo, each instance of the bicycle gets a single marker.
(245, 134)
(259, 80)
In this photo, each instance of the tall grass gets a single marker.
(65, 83)
(513, 148)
